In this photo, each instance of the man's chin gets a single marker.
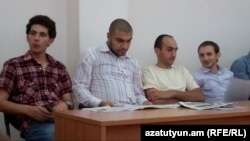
(207, 66)
(121, 53)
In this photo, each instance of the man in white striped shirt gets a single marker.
(106, 75)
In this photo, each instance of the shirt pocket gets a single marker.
(55, 87)
(28, 89)
(210, 84)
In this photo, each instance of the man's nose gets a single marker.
(173, 53)
(125, 45)
(36, 36)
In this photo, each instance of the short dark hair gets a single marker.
(44, 21)
(211, 43)
(158, 41)
(121, 25)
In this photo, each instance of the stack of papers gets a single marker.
(130, 107)
(207, 105)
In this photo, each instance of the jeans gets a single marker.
(40, 131)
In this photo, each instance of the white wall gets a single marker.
(14, 17)
(95, 17)
(72, 48)
(190, 22)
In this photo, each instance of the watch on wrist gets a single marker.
(69, 105)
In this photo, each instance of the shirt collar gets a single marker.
(206, 70)
(27, 56)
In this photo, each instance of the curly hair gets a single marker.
(44, 21)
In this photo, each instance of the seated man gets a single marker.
(164, 83)
(241, 67)
(106, 75)
(34, 85)
(211, 77)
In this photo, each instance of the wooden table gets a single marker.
(105, 126)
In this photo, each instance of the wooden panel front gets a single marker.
(67, 130)
(103, 126)
(241, 120)
(124, 133)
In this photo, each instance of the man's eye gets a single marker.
(128, 41)
(43, 35)
(170, 49)
(209, 54)
(32, 33)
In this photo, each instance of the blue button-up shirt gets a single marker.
(213, 85)
(241, 67)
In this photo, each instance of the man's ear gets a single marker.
(108, 35)
(157, 50)
(50, 41)
(218, 55)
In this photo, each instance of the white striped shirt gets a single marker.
(102, 76)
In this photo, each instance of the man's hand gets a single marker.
(147, 103)
(39, 113)
(153, 94)
(106, 104)
(60, 107)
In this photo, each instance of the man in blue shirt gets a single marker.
(241, 67)
(211, 77)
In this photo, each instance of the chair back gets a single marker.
(7, 124)
(10, 120)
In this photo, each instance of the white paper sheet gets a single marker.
(131, 107)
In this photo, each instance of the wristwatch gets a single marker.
(69, 104)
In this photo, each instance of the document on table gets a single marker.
(131, 107)
(207, 105)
